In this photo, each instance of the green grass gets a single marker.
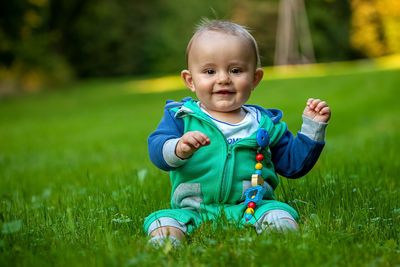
(76, 182)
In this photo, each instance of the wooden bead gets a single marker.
(256, 180)
(258, 166)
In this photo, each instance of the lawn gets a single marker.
(76, 182)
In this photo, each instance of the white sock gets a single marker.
(160, 241)
(166, 221)
(276, 220)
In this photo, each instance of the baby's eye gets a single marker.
(209, 71)
(236, 70)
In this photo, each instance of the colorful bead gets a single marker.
(258, 166)
(248, 216)
(259, 157)
(258, 172)
(251, 205)
(250, 210)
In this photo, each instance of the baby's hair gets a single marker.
(227, 27)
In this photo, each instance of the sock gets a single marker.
(160, 241)
(276, 220)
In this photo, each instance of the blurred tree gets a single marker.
(329, 22)
(134, 37)
(293, 40)
(26, 58)
(105, 39)
(261, 18)
(375, 27)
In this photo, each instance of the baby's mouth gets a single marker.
(224, 92)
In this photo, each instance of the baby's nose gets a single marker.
(223, 77)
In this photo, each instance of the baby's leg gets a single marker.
(276, 220)
(166, 228)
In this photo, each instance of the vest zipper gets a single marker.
(225, 177)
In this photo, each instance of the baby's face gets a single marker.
(222, 71)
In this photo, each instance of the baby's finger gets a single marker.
(314, 103)
(194, 142)
(325, 111)
(320, 106)
(201, 138)
(309, 101)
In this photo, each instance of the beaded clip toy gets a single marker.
(255, 193)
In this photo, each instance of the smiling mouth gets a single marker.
(224, 92)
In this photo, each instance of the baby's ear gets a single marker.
(258, 75)
(187, 78)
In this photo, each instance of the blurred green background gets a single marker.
(83, 83)
(48, 43)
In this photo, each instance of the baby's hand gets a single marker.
(317, 110)
(189, 143)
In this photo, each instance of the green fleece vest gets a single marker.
(220, 172)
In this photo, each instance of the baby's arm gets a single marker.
(169, 146)
(189, 143)
(295, 156)
(162, 142)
